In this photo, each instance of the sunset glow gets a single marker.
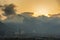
(40, 7)
(41, 11)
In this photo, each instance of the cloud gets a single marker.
(9, 9)
(18, 18)
(39, 25)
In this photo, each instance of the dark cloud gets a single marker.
(9, 9)
(39, 25)
(3, 29)
(27, 14)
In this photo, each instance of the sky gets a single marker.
(27, 22)
(38, 7)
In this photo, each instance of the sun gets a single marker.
(38, 11)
